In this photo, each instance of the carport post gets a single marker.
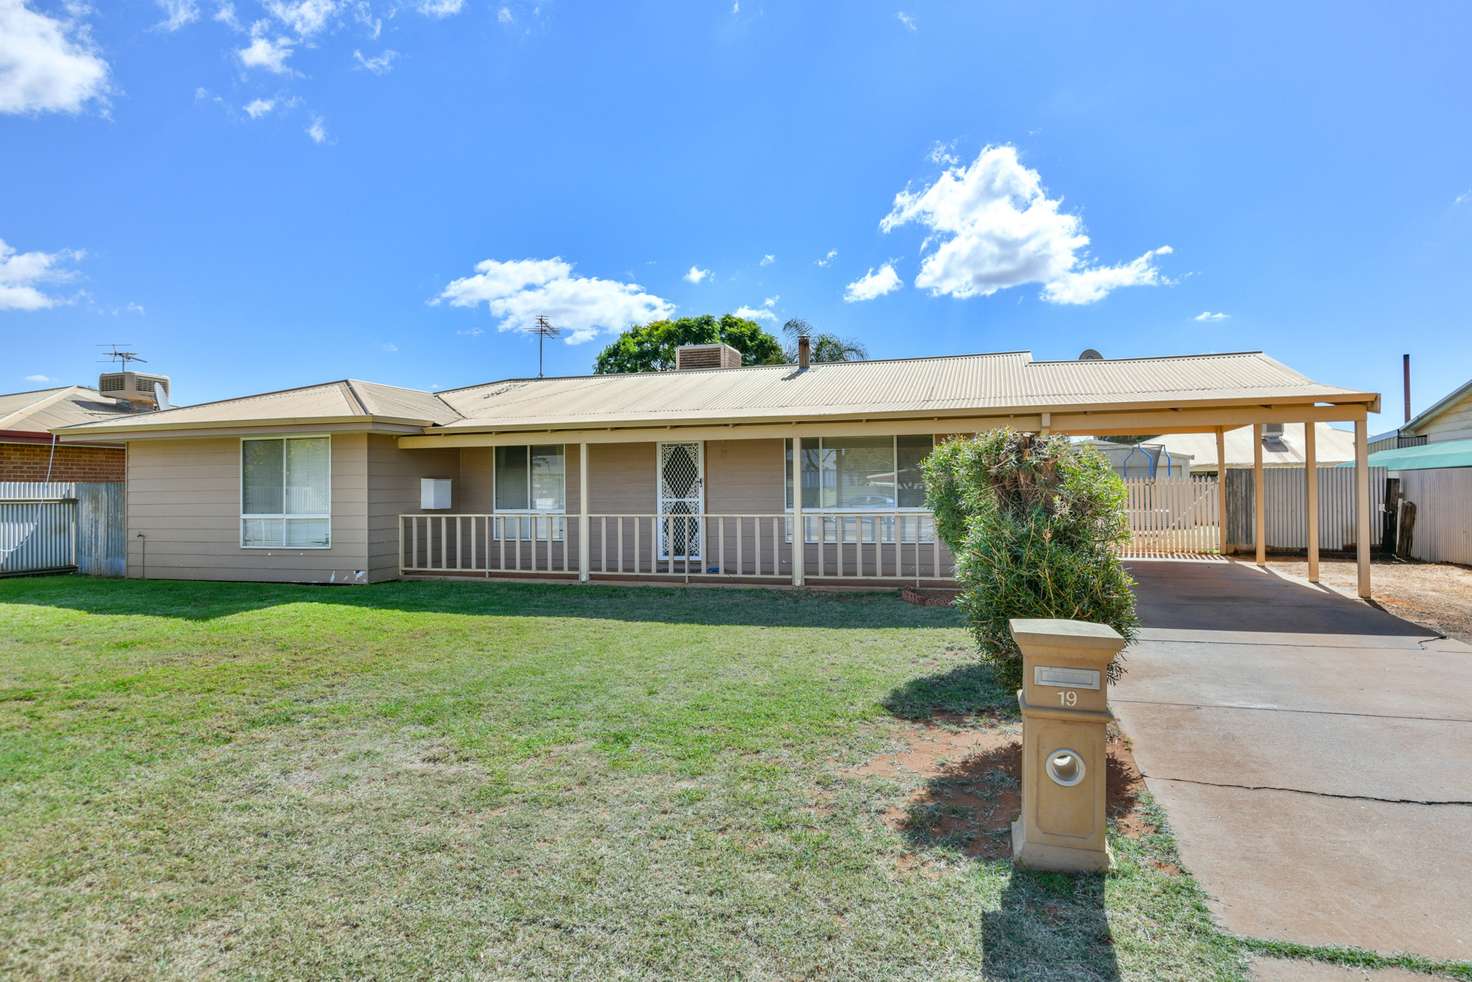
(1259, 513)
(1221, 486)
(1311, 503)
(1362, 503)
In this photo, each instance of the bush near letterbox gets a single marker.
(1035, 523)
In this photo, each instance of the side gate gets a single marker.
(1173, 516)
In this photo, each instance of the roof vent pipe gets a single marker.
(804, 351)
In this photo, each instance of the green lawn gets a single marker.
(512, 781)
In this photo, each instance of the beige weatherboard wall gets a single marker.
(742, 419)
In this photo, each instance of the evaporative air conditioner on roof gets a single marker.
(140, 390)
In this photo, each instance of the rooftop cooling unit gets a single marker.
(140, 390)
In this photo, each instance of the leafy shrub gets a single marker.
(1034, 523)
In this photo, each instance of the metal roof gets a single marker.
(42, 410)
(1428, 456)
(344, 399)
(952, 384)
(1331, 446)
(947, 384)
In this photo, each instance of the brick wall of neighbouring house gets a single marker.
(27, 462)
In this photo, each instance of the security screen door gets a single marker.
(681, 493)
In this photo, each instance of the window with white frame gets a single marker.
(286, 492)
(531, 489)
(841, 475)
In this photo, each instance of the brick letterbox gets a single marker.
(1065, 709)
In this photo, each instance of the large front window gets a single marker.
(863, 474)
(286, 493)
(531, 489)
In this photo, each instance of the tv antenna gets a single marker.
(543, 329)
(118, 354)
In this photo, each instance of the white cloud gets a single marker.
(178, 13)
(378, 64)
(389, 347)
(906, 20)
(828, 258)
(262, 52)
(472, 332)
(696, 275)
(767, 260)
(39, 378)
(440, 8)
(771, 301)
(305, 17)
(22, 274)
(1464, 198)
(1093, 283)
(225, 14)
(47, 64)
(257, 108)
(518, 291)
(943, 154)
(992, 226)
(317, 131)
(755, 314)
(875, 283)
(735, 6)
(1207, 315)
(504, 15)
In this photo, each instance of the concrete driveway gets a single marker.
(1313, 753)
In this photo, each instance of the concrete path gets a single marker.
(1313, 753)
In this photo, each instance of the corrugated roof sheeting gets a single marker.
(1003, 382)
(40, 411)
(960, 383)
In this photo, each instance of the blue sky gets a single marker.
(261, 195)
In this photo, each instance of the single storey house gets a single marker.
(806, 473)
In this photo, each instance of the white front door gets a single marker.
(681, 499)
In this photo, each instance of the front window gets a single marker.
(863, 474)
(531, 488)
(286, 493)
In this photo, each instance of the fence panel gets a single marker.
(1443, 500)
(37, 526)
(1174, 516)
(1285, 518)
(101, 528)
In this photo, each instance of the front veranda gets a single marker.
(715, 503)
(715, 510)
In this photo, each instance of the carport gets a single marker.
(1219, 419)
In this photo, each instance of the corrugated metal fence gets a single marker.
(1443, 499)
(58, 525)
(1286, 519)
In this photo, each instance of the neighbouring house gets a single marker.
(686, 474)
(1283, 445)
(1449, 418)
(30, 450)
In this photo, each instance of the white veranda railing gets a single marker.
(837, 546)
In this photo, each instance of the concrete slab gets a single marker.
(1290, 733)
(1297, 970)
(1361, 756)
(1327, 871)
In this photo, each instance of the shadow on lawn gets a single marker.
(1049, 926)
(206, 600)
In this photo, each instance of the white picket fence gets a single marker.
(1174, 516)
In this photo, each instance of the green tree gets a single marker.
(1035, 524)
(651, 347)
(825, 347)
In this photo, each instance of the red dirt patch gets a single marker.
(934, 597)
(971, 790)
